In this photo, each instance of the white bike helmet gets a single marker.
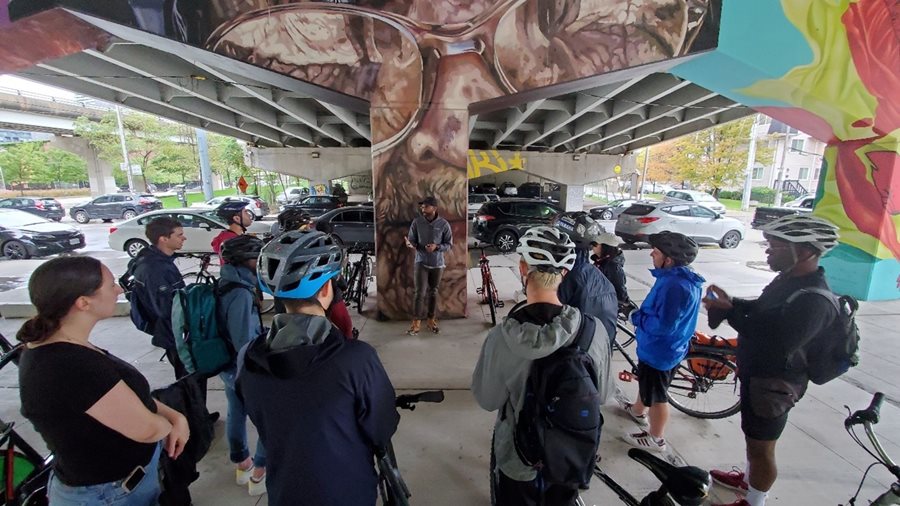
(803, 229)
(547, 249)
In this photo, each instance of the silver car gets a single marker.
(693, 220)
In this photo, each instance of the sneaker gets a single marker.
(432, 324)
(242, 476)
(257, 488)
(645, 441)
(732, 480)
(641, 420)
(414, 328)
(739, 502)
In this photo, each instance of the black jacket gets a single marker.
(157, 278)
(321, 404)
(614, 270)
(587, 289)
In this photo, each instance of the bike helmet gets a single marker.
(240, 249)
(803, 229)
(580, 227)
(295, 265)
(548, 249)
(229, 209)
(679, 247)
(292, 219)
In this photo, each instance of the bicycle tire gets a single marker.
(492, 304)
(363, 287)
(197, 277)
(266, 305)
(625, 334)
(694, 393)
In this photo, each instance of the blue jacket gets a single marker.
(587, 289)
(667, 318)
(237, 305)
(157, 277)
(423, 232)
(322, 404)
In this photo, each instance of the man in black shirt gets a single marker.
(775, 332)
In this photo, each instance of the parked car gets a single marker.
(24, 235)
(530, 190)
(702, 198)
(477, 199)
(200, 227)
(350, 226)
(611, 210)
(114, 206)
(45, 207)
(764, 215)
(508, 189)
(316, 205)
(502, 223)
(256, 205)
(290, 194)
(486, 188)
(694, 220)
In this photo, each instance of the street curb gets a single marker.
(25, 310)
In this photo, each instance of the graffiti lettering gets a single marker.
(493, 161)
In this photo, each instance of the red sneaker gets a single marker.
(733, 480)
(742, 502)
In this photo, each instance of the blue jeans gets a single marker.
(236, 425)
(146, 493)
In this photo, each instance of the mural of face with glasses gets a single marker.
(422, 63)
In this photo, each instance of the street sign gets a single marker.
(242, 184)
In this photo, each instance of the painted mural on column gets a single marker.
(421, 64)
(829, 68)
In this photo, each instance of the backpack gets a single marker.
(558, 430)
(201, 338)
(128, 283)
(834, 351)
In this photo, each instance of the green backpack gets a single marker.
(201, 338)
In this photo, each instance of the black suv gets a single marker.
(530, 190)
(45, 207)
(115, 206)
(316, 205)
(502, 223)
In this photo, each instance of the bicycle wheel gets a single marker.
(266, 303)
(625, 334)
(198, 277)
(363, 291)
(350, 294)
(491, 302)
(705, 385)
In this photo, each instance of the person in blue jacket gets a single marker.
(663, 325)
(322, 404)
(238, 310)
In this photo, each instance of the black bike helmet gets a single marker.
(296, 264)
(240, 249)
(292, 219)
(580, 227)
(679, 247)
(229, 209)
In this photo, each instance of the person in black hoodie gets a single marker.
(608, 257)
(322, 404)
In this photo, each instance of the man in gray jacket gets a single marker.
(430, 235)
(532, 331)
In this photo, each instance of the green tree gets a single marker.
(61, 167)
(174, 164)
(226, 156)
(20, 161)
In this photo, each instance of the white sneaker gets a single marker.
(242, 476)
(626, 406)
(256, 488)
(645, 441)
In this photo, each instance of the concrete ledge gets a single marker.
(26, 310)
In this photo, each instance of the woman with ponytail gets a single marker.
(93, 410)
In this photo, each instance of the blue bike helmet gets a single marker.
(297, 264)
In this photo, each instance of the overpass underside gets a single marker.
(421, 83)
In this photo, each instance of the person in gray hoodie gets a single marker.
(533, 330)
(238, 310)
(430, 235)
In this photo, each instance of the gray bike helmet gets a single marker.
(241, 248)
(679, 247)
(297, 264)
(803, 229)
(229, 209)
(548, 249)
(580, 227)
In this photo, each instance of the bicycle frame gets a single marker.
(868, 418)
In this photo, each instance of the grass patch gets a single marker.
(172, 201)
(734, 205)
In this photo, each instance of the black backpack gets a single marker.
(139, 315)
(834, 351)
(558, 430)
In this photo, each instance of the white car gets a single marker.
(696, 197)
(256, 205)
(700, 222)
(291, 194)
(200, 228)
(477, 199)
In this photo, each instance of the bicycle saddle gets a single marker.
(688, 485)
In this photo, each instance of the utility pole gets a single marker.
(124, 149)
(779, 184)
(751, 162)
(205, 170)
(644, 176)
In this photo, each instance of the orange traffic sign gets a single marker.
(242, 184)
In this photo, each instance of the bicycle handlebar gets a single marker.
(870, 415)
(408, 401)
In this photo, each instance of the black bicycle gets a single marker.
(358, 275)
(705, 384)
(868, 418)
(685, 486)
(391, 487)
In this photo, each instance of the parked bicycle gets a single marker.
(391, 487)
(266, 302)
(358, 275)
(868, 418)
(488, 290)
(705, 383)
(624, 321)
(685, 486)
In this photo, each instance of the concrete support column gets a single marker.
(100, 172)
(571, 197)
